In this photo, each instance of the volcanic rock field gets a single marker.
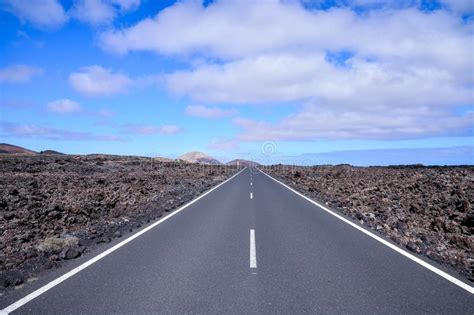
(428, 210)
(57, 207)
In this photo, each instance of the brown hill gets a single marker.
(51, 152)
(13, 149)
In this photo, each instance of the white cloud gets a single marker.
(67, 106)
(460, 6)
(51, 14)
(98, 81)
(247, 29)
(98, 12)
(327, 122)
(94, 12)
(64, 106)
(289, 77)
(18, 73)
(41, 13)
(208, 112)
(152, 130)
(185, 27)
(357, 70)
(41, 132)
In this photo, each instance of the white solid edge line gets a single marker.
(71, 273)
(253, 251)
(423, 263)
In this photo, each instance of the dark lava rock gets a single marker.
(69, 253)
(11, 278)
(18, 281)
(469, 220)
(9, 216)
(4, 281)
(26, 236)
(412, 247)
(428, 210)
(50, 202)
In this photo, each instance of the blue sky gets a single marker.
(369, 81)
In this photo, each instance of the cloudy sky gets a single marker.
(390, 81)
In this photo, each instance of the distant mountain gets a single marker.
(198, 157)
(51, 152)
(13, 149)
(241, 162)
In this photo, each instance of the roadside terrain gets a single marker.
(428, 210)
(56, 207)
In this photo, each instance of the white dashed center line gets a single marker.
(253, 251)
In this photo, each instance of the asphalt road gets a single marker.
(202, 260)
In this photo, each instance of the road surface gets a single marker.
(251, 246)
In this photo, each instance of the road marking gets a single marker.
(74, 271)
(251, 195)
(250, 183)
(253, 250)
(399, 250)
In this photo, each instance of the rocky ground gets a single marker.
(57, 207)
(428, 210)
